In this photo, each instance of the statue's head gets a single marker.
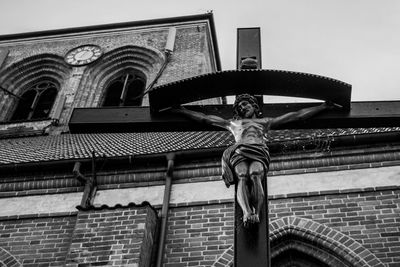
(248, 63)
(242, 112)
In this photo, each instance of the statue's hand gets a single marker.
(173, 109)
(331, 105)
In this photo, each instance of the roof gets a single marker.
(123, 25)
(80, 146)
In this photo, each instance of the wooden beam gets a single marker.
(251, 244)
(140, 119)
(248, 46)
(255, 82)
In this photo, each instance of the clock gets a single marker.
(83, 55)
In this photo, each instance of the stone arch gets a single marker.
(6, 259)
(315, 240)
(19, 76)
(140, 59)
(314, 235)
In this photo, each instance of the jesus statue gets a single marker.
(247, 161)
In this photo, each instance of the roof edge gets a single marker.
(124, 160)
(47, 33)
(214, 41)
(8, 37)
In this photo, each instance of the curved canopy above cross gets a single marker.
(256, 82)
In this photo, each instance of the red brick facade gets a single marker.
(361, 229)
(113, 237)
(332, 202)
(198, 235)
(123, 236)
(37, 241)
(357, 227)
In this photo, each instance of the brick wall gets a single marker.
(113, 237)
(371, 218)
(200, 235)
(192, 56)
(37, 241)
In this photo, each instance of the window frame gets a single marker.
(124, 76)
(33, 107)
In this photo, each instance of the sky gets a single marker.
(355, 41)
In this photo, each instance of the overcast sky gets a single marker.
(356, 41)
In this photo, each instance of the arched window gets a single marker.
(36, 103)
(125, 90)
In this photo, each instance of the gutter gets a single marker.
(165, 208)
(338, 141)
(126, 160)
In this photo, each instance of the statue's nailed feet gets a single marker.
(250, 219)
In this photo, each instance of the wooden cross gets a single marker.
(252, 246)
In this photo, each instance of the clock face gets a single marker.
(83, 55)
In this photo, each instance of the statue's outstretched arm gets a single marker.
(201, 117)
(302, 114)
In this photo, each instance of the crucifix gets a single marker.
(246, 163)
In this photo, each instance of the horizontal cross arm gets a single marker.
(140, 119)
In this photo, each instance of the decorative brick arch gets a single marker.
(140, 59)
(325, 237)
(6, 259)
(226, 259)
(334, 243)
(19, 76)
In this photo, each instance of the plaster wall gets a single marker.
(153, 195)
(39, 204)
(183, 193)
(277, 185)
(339, 180)
(180, 193)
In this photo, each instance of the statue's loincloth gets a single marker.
(240, 152)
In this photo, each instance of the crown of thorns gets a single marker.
(246, 97)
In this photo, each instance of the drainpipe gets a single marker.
(10, 93)
(164, 212)
(168, 51)
(88, 182)
(82, 179)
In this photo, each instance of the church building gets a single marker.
(92, 175)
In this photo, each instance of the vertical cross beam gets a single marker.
(248, 46)
(251, 244)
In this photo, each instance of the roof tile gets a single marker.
(76, 146)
